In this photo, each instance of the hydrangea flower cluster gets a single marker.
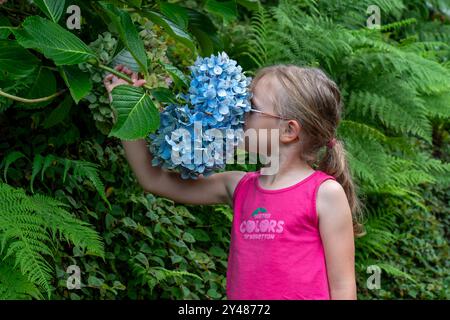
(218, 98)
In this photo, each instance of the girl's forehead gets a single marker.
(264, 88)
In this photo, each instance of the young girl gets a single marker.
(292, 234)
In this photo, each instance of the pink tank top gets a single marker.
(276, 251)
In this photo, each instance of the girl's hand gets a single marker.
(111, 81)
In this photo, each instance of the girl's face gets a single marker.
(263, 94)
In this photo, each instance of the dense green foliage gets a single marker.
(68, 196)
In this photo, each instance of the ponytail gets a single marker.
(334, 162)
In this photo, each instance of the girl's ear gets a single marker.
(290, 130)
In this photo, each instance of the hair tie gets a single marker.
(331, 143)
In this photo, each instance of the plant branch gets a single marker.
(25, 100)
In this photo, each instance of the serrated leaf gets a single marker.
(128, 34)
(136, 114)
(15, 60)
(204, 30)
(125, 58)
(55, 42)
(79, 82)
(128, 222)
(225, 9)
(44, 85)
(178, 77)
(176, 13)
(171, 28)
(51, 8)
(188, 237)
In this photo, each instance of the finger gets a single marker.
(134, 76)
(108, 77)
(139, 83)
(114, 79)
(119, 67)
(107, 84)
(126, 70)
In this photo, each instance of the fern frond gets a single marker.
(403, 119)
(26, 226)
(438, 105)
(365, 152)
(257, 37)
(89, 170)
(9, 159)
(81, 169)
(14, 285)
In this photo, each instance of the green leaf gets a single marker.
(67, 165)
(4, 32)
(125, 58)
(128, 222)
(95, 282)
(58, 114)
(48, 160)
(136, 114)
(171, 28)
(204, 30)
(200, 235)
(15, 60)
(55, 42)
(217, 251)
(79, 82)
(188, 237)
(128, 34)
(51, 8)
(225, 9)
(37, 166)
(179, 78)
(163, 95)
(135, 3)
(213, 294)
(249, 4)
(9, 159)
(44, 85)
(176, 13)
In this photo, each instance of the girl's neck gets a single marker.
(290, 170)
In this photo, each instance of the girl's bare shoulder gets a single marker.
(231, 179)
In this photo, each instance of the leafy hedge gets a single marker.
(68, 196)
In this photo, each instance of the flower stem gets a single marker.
(118, 74)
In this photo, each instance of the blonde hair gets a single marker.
(309, 96)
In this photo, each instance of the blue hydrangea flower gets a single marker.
(218, 98)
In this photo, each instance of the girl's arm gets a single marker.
(336, 230)
(214, 189)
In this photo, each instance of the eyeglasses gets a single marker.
(268, 114)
